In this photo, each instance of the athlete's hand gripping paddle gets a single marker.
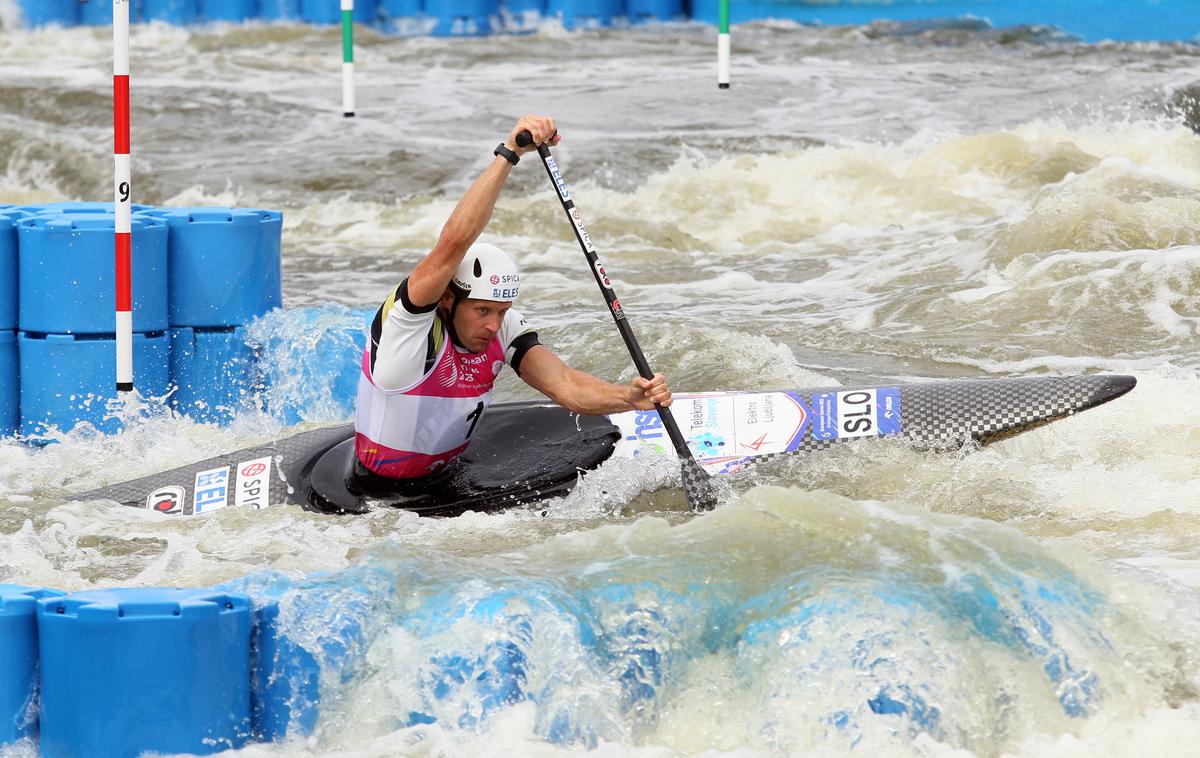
(697, 484)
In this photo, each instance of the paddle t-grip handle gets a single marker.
(524, 138)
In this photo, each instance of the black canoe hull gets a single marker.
(529, 451)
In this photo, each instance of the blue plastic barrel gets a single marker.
(43, 12)
(586, 14)
(366, 11)
(463, 18)
(8, 270)
(77, 206)
(322, 12)
(400, 16)
(99, 13)
(326, 12)
(522, 15)
(66, 379)
(279, 10)
(66, 282)
(96, 12)
(224, 264)
(18, 661)
(213, 373)
(234, 11)
(648, 11)
(10, 394)
(287, 681)
(178, 12)
(128, 671)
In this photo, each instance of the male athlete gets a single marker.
(439, 341)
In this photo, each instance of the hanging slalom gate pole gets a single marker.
(348, 58)
(122, 194)
(723, 44)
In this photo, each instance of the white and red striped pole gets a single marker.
(122, 205)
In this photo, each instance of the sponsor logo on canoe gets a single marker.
(253, 486)
(168, 499)
(211, 490)
(854, 414)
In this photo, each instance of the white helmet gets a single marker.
(486, 273)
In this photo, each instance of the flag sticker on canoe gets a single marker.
(853, 414)
(253, 486)
(211, 490)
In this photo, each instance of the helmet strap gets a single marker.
(458, 298)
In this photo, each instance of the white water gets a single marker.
(858, 206)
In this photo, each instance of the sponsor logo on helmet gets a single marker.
(166, 500)
(494, 280)
(504, 293)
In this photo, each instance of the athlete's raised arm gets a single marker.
(432, 275)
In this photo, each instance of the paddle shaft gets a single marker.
(610, 297)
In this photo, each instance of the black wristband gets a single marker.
(508, 155)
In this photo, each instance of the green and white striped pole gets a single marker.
(348, 58)
(723, 44)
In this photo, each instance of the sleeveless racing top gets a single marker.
(419, 395)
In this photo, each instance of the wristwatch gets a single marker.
(508, 155)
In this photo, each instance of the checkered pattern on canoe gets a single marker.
(941, 415)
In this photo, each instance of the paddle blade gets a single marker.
(698, 486)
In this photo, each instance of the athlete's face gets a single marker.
(478, 321)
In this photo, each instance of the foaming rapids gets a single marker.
(788, 621)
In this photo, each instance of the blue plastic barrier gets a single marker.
(463, 18)
(235, 11)
(10, 394)
(648, 11)
(586, 14)
(67, 379)
(134, 670)
(278, 10)
(44, 12)
(18, 661)
(330, 11)
(179, 12)
(213, 371)
(1091, 20)
(76, 206)
(66, 282)
(224, 264)
(8, 270)
(522, 15)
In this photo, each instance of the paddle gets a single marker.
(697, 484)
